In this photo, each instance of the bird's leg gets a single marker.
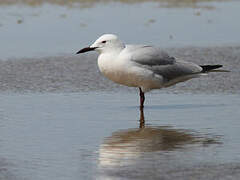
(142, 119)
(142, 98)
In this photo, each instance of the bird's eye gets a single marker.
(104, 41)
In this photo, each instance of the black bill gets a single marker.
(86, 49)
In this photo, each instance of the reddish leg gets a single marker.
(142, 98)
(142, 120)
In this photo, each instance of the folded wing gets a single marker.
(161, 63)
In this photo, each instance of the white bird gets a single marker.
(142, 66)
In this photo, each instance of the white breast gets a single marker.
(115, 70)
(125, 73)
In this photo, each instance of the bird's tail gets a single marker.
(212, 68)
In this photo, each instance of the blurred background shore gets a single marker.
(51, 28)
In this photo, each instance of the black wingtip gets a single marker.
(207, 68)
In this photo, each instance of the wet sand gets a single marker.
(96, 135)
(80, 73)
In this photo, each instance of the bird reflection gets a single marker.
(5, 172)
(126, 146)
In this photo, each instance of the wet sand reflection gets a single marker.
(5, 172)
(125, 147)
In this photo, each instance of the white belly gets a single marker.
(118, 74)
(125, 74)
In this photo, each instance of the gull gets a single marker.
(142, 66)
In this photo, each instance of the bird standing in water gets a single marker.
(142, 66)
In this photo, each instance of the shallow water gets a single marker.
(48, 29)
(97, 136)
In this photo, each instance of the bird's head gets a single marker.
(107, 42)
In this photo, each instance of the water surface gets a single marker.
(97, 136)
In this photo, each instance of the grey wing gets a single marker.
(149, 55)
(162, 64)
